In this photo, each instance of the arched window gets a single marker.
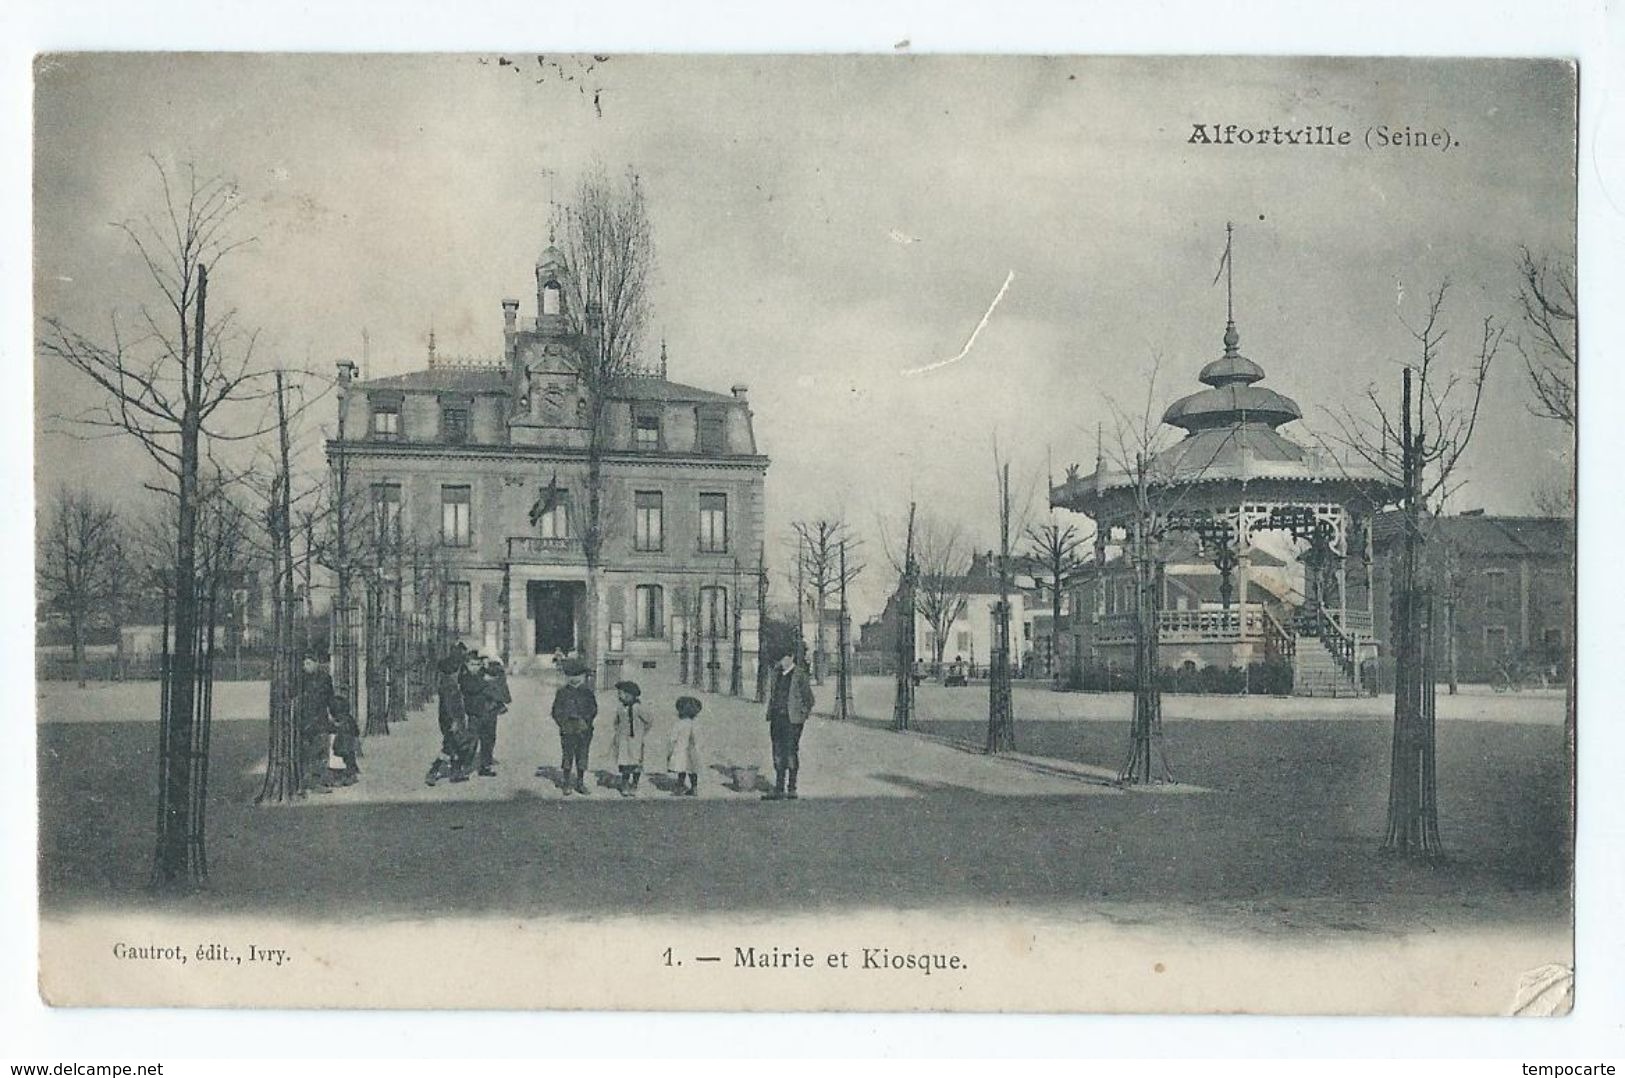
(552, 298)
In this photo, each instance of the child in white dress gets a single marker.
(631, 728)
(684, 758)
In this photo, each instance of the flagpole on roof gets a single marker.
(1229, 272)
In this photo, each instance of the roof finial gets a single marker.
(662, 359)
(431, 341)
(552, 208)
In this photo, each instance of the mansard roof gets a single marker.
(494, 380)
(655, 388)
(444, 380)
(1476, 534)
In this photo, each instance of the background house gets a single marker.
(1503, 592)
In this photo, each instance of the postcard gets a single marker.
(821, 532)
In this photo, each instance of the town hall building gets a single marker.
(480, 468)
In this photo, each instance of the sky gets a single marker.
(826, 224)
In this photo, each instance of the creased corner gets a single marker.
(1545, 992)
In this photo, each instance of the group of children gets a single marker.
(575, 708)
(473, 693)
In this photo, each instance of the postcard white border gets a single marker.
(1390, 27)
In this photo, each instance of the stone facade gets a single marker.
(486, 463)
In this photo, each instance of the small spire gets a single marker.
(662, 359)
(431, 342)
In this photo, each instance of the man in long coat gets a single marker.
(789, 702)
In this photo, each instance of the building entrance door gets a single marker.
(553, 606)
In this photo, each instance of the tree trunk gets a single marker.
(820, 655)
(1413, 815)
(375, 644)
(736, 653)
(903, 704)
(592, 543)
(1450, 641)
(843, 676)
(284, 759)
(1055, 632)
(173, 864)
(761, 624)
(76, 625)
(1001, 720)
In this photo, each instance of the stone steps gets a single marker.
(1316, 673)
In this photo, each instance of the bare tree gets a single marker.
(1001, 716)
(1443, 413)
(80, 563)
(284, 771)
(170, 385)
(1553, 500)
(819, 546)
(1549, 342)
(1550, 349)
(908, 579)
(942, 558)
(1139, 440)
(221, 563)
(1418, 449)
(1052, 558)
(289, 504)
(609, 246)
(847, 570)
(1157, 517)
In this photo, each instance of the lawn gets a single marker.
(1285, 839)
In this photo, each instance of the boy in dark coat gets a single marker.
(454, 740)
(574, 709)
(346, 740)
(478, 704)
(496, 700)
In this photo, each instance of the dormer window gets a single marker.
(386, 420)
(454, 423)
(713, 431)
(646, 431)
